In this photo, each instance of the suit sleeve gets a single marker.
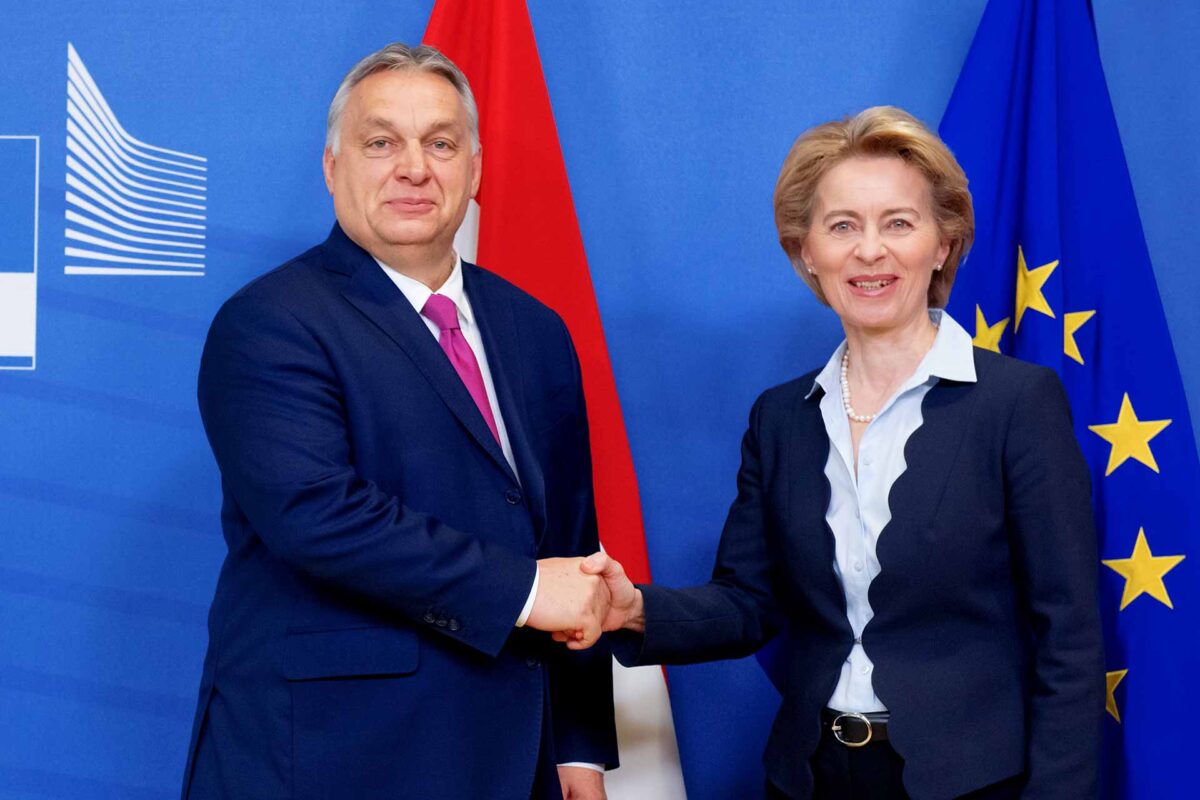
(273, 411)
(1048, 496)
(581, 690)
(736, 612)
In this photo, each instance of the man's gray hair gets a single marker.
(401, 57)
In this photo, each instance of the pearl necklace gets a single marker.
(846, 406)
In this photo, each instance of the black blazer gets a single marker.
(986, 636)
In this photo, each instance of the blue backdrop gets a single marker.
(673, 118)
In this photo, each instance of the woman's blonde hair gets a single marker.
(879, 132)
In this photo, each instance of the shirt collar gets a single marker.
(951, 357)
(418, 293)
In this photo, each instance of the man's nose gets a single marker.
(411, 164)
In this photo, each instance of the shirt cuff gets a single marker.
(528, 602)
(584, 765)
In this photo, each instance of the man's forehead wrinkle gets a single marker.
(423, 114)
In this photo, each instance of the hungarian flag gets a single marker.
(524, 228)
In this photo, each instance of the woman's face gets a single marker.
(873, 244)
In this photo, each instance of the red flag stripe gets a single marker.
(529, 232)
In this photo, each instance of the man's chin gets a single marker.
(407, 235)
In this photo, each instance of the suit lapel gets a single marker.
(930, 455)
(809, 493)
(372, 293)
(498, 329)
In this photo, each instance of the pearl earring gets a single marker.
(937, 267)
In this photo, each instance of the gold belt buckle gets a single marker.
(836, 727)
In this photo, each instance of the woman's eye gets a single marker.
(900, 225)
(840, 227)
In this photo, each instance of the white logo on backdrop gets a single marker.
(132, 208)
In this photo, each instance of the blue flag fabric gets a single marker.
(1060, 274)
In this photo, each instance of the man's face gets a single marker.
(404, 170)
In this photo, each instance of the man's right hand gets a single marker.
(625, 608)
(568, 599)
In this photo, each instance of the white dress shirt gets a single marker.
(858, 504)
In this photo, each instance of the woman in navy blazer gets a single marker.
(916, 515)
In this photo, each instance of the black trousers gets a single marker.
(874, 772)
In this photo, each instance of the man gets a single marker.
(404, 456)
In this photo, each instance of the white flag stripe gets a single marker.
(646, 736)
(466, 238)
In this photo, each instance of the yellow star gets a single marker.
(1130, 437)
(1073, 321)
(1029, 288)
(1111, 681)
(988, 336)
(1143, 572)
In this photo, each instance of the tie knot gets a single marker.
(442, 311)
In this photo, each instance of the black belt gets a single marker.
(854, 729)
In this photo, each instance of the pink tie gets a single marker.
(442, 311)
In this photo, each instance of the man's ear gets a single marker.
(476, 171)
(328, 162)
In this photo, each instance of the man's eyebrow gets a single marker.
(377, 122)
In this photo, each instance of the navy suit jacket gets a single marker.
(986, 636)
(361, 639)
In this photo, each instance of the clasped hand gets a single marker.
(580, 598)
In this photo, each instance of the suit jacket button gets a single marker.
(532, 663)
(453, 625)
(513, 496)
(441, 622)
(429, 617)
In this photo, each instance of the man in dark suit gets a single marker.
(407, 485)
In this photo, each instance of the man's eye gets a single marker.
(377, 144)
(441, 144)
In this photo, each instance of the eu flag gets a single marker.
(1060, 274)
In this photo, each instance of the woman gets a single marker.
(917, 512)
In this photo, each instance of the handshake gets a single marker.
(580, 598)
